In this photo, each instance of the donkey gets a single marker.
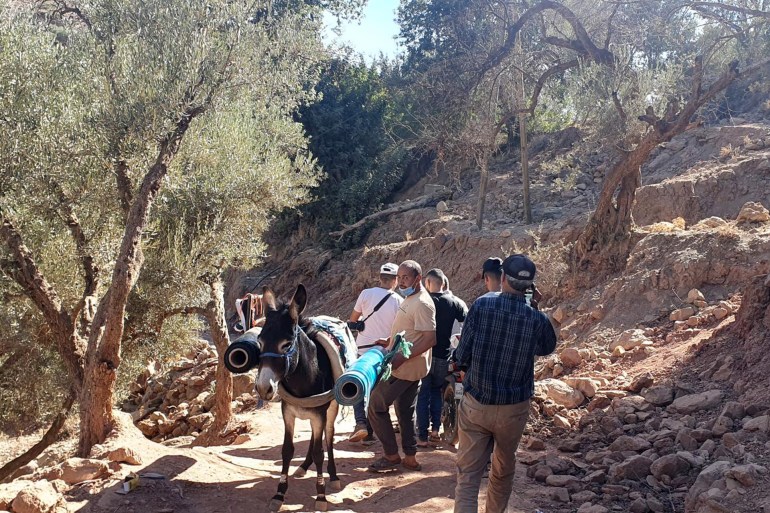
(291, 360)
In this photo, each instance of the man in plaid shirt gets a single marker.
(500, 339)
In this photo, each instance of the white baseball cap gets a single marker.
(391, 269)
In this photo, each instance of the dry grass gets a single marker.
(551, 259)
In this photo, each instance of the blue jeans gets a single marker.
(359, 413)
(430, 398)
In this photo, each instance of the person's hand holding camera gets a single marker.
(356, 326)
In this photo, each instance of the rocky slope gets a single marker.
(657, 398)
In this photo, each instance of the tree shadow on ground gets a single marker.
(174, 493)
(398, 490)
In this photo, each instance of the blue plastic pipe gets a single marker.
(357, 382)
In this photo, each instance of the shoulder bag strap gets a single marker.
(382, 302)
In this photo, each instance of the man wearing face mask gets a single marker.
(417, 318)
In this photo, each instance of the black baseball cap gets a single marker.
(519, 267)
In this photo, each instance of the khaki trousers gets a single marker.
(485, 430)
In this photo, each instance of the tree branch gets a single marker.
(24, 271)
(125, 186)
(48, 438)
(104, 345)
(555, 70)
(70, 219)
(586, 44)
(732, 8)
(63, 8)
(619, 108)
(425, 201)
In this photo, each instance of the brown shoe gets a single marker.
(359, 433)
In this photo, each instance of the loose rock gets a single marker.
(696, 402)
(39, 497)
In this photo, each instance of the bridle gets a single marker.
(288, 354)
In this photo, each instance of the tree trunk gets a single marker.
(604, 244)
(525, 168)
(512, 139)
(219, 431)
(483, 161)
(521, 101)
(104, 343)
(49, 438)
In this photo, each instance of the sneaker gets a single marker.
(369, 440)
(359, 433)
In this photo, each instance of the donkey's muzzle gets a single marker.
(243, 354)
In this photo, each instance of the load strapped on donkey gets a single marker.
(311, 364)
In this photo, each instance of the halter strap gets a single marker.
(288, 354)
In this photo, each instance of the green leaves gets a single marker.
(90, 103)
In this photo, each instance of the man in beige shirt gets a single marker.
(417, 318)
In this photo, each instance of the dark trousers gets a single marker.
(403, 396)
(431, 398)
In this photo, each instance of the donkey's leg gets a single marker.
(302, 469)
(331, 467)
(317, 424)
(287, 453)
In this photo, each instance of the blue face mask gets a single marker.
(406, 292)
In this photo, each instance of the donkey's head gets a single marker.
(279, 340)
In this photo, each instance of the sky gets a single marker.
(374, 33)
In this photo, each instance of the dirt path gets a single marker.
(242, 478)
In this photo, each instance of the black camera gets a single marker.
(356, 325)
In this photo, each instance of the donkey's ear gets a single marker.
(298, 302)
(268, 297)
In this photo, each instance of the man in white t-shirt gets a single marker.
(377, 326)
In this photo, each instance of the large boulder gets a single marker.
(753, 212)
(631, 339)
(587, 386)
(758, 424)
(571, 483)
(703, 483)
(124, 455)
(670, 465)
(640, 382)
(243, 383)
(659, 395)
(77, 470)
(630, 443)
(587, 507)
(747, 475)
(682, 314)
(635, 468)
(571, 357)
(696, 402)
(39, 497)
(561, 393)
(9, 491)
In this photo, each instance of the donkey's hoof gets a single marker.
(300, 472)
(321, 505)
(335, 485)
(275, 504)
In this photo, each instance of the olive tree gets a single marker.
(99, 99)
